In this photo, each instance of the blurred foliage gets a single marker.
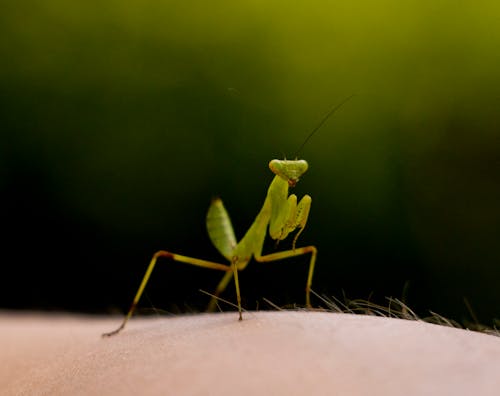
(120, 120)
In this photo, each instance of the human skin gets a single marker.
(268, 353)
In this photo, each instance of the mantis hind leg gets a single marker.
(223, 284)
(292, 253)
(175, 257)
(212, 305)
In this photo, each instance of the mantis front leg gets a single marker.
(289, 216)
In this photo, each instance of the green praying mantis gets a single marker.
(280, 214)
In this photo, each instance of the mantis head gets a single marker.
(289, 170)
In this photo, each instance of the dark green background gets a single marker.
(121, 119)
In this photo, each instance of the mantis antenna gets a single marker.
(323, 120)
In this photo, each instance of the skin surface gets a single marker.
(278, 353)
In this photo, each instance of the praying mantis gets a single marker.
(280, 215)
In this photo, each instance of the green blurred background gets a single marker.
(121, 119)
